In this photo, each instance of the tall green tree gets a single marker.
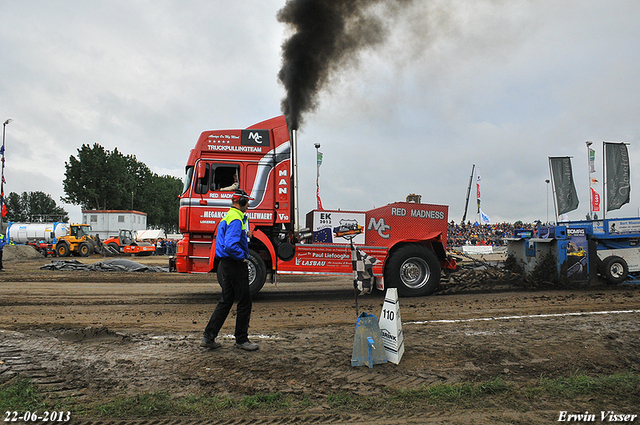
(99, 179)
(163, 203)
(108, 180)
(33, 207)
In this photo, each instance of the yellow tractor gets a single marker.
(78, 241)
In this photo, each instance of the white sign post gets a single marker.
(391, 327)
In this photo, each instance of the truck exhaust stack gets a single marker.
(294, 176)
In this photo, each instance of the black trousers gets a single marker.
(233, 277)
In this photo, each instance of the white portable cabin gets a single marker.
(107, 223)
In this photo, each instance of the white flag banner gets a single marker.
(592, 161)
(484, 218)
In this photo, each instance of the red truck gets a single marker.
(408, 238)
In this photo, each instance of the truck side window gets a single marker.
(202, 184)
(187, 182)
(226, 177)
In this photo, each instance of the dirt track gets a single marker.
(93, 335)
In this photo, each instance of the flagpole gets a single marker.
(547, 181)
(4, 126)
(589, 177)
(478, 200)
(604, 181)
(553, 191)
(466, 204)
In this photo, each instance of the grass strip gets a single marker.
(622, 384)
(22, 395)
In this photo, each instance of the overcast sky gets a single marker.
(499, 84)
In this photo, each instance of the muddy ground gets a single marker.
(92, 335)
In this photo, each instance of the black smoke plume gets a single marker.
(327, 35)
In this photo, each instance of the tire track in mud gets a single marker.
(37, 363)
(313, 361)
(81, 363)
(74, 362)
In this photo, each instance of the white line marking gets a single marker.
(532, 316)
(261, 336)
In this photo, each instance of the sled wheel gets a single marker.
(615, 269)
(414, 269)
(257, 272)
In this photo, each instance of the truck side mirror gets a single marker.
(202, 170)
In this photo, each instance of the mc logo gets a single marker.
(255, 136)
(380, 227)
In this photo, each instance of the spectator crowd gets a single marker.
(165, 246)
(483, 234)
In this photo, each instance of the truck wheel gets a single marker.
(113, 248)
(85, 249)
(615, 269)
(62, 249)
(413, 269)
(257, 272)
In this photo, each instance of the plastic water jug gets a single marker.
(368, 348)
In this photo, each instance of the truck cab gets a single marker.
(255, 160)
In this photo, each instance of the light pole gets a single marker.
(547, 182)
(4, 130)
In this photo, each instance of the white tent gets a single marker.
(149, 234)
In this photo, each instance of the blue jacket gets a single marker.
(231, 239)
(3, 241)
